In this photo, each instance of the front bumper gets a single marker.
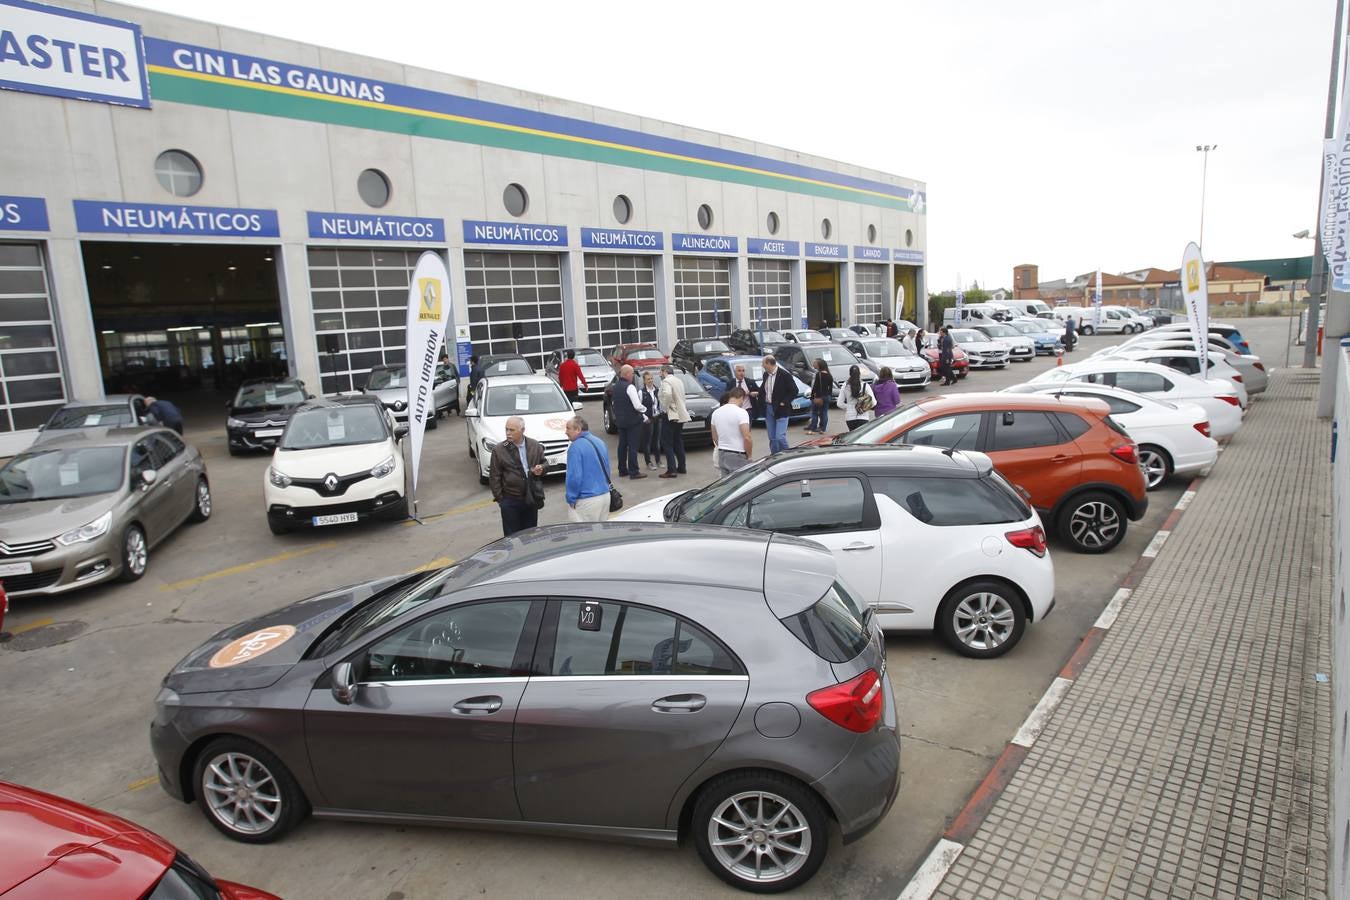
(987, 362)
(1022, 354)
(251, 438)
(914, 379)
(389, 506)
(65, 569)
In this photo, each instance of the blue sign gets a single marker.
(112, 217)
(23, 214)
(360, 227)
(702, 243)
(515, 233)
(826, 251)
(908, 256)
(619, 239)
(767, 247)
(463, 350)
(64, 53)
(876, 254)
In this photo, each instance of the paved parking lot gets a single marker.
(76, 712)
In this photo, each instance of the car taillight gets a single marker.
(1032, 539)
(1260, 366)
(1231, 401)
(1238, 379)
(1203, 428)
(1126, 453)
(854, 705)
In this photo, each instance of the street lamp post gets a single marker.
(1204, 176)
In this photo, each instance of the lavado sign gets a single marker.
(45, 50)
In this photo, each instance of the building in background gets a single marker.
(1231, 285)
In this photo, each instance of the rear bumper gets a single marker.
(863, 787)
(1136, 508)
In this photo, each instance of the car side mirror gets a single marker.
(576, 406)
(1007, 418)
(400, 431)
(148, 478)
(470, 411)
(344, 683)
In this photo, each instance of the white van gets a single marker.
(1032, 309)
(971, 314)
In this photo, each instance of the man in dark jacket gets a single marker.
(779, 389)
(946, 356)
(514, 471)
(1070, 336)
(165, 413)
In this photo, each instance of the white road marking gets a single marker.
(1185, 501)
(1155, 545)
(1035, 723)
(1108, 616)
(933, 870)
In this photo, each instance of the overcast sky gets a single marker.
(1057, 132)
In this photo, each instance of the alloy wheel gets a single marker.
(203, 499)
(983, 620)
(136, 551)
(1154, 466)
(1094, 524)
(241, 793)
(759, 836)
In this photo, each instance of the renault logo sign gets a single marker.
(330, 482)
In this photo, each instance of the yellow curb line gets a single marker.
(40, 623)
(248, 566)
(142, 783)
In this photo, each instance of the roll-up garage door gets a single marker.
(702, 294)
(515, 303)
(31, 386)
(770, 294)
(869, 294)
(360, 300)
(620, 299)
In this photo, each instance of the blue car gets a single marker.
(719, 373)
(1047, 343)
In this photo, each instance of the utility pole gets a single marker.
(1204, 176)
(1317, 283)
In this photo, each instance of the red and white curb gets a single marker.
(962, 828)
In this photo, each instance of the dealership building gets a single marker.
(183, 205)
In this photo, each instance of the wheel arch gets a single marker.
(1017, 592)
(187, 766)
(684, 822)
(1105, 487)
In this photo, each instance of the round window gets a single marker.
(773, 223)
(871, 234)
(373, 186)
(623, 209)
(909, 238)
(825, 229)
(179, 173)
(515, 199)
(705, 217)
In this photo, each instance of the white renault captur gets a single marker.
(537, 400)
(339, 461)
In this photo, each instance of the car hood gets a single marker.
(254, 654)
(390, 396)
(597, 374)
(277, 417)
(38, 519)
(320, 461)
(983, 345)
(901, 363)
(540, 426)
(700, 407)
(647, 511)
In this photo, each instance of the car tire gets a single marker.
(608, 416)
(735, 804)
(201, 505)
(433, 422)
(1092, 522)
(1086, 331)
(135, 553)
(236, 451)
(982, 619)
(274, 802)
(1157, 465)
(277, 527)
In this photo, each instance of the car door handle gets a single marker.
(478, 706)
(680, 703)
(1060, 458)
(858, 545)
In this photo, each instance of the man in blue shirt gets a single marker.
(587, 474)
(165, 413)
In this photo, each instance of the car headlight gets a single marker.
(235, 423)
(278, 479)
(95, 529)
(487, 446)
(384, 468)
(399, 404)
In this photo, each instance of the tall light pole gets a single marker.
(1204, 176)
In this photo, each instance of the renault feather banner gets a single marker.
(428, 317)
(1195, 291)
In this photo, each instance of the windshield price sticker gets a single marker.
(522, 402)
(502, 367)
(91, 420)
(589, 616)
(69, 473)
(337, 430)
(270, 395)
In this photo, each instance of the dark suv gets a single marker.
(689, 355)
(259, 413)
(754, 342)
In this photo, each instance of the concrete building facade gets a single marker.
(184, 204)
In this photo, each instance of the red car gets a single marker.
(960, 362)
(57, 848)
(640, 356)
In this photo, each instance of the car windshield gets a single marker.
(887, 347)
(808, 336)
(710, 347)
(882, 427)
(968, 336)
(833, 356)
(383, 379)
(90, 416)
(60, 473)
(525, 399)
(590, 358)
(999, 331)
(512, 366)
(337, 426)
(268, 395)
(693, 506)
(772, 337)
(382, 608)
(650, 353)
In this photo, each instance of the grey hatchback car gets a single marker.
(644, 683)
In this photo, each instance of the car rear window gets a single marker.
(833, 628)
(954, 501)
(1074, 423)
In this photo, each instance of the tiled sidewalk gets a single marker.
(1190, 758)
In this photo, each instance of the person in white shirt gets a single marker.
(730, 425)
(856, 399)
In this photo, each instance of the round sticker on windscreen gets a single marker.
(251, 646)
(556, 424)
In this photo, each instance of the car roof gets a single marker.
(875, 458)
(96, 436)
(979, 401)
(501, 356)
(497, 380)
(110, 400)
(340, 400)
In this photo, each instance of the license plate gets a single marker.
(19, 568)
(695, 425)
(268, 432)
(335, 519)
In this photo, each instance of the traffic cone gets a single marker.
(1059, 358)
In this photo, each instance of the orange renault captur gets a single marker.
(1080, 468)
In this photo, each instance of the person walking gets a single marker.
(730, 427)
(856, 399)
(514, 474)
(650, 439)
(570, 376)
(919, 337)
(588, 480)
(677, 413)
(752, 400)
(946, 355)
(886, 391)
(165, 413)
(822, 391)
(475, 375)
(625, 405)
(778, 392)
(1070, 336)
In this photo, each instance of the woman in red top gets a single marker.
(569, 374)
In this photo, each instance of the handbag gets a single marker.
(615, 498)
(866, 402)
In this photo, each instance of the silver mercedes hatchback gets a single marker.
(645, 683)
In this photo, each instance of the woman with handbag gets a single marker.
(822, 389)
(590, 492)
(856, 400)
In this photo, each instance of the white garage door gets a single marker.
(702, 294)
(770, 294)
(360, 300)
(515, 303)
(30, 367)
(869, 293)
(620, 299)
